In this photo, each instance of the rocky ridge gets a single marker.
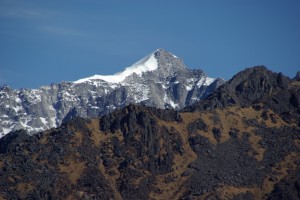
(160, 80)
(258, 87)
(243, 150)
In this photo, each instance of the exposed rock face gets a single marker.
(159, 80)
(250, 86)
(297, 77)
(255, 87)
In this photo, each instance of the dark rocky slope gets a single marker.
(258, 87)
(248, 150)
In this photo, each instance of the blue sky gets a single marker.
(42, 41)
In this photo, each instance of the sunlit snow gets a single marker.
(148, 63)
(206, 81)
(6, 130)
(44, 121)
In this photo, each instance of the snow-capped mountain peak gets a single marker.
(159, 80)
(160, 58)
(148, 63)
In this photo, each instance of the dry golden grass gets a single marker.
(11, 179)
(44, 140)
(111, 180)
(253, 141)
(70, 197)
(279, 121)
(73, 169)
(78, 136)
(137, 181)
(229, 118)
(232, 118)
(280, 171)
(227, 121)
(173, 190)
(79, 195)
(162, 144)
(223, 119)
(208, 119)
(43, 162)
(24, 188)
(227, 192)
(297, 142)
(295, 84)
(189, 117)
(98, 136)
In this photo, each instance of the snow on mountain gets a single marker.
(206, 81)
(160, 79)
(148, 63)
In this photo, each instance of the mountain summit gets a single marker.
(160, 61)
(146, 64)
(158, 80)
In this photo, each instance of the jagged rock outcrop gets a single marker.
(297, 77)
(159, 80)
(257, 86)
(248, 87)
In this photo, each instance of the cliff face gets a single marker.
(245, 150)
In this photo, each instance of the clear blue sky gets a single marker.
(50, 41)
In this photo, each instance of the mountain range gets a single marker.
(156, 130)
(242, 141)
(160, 80)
